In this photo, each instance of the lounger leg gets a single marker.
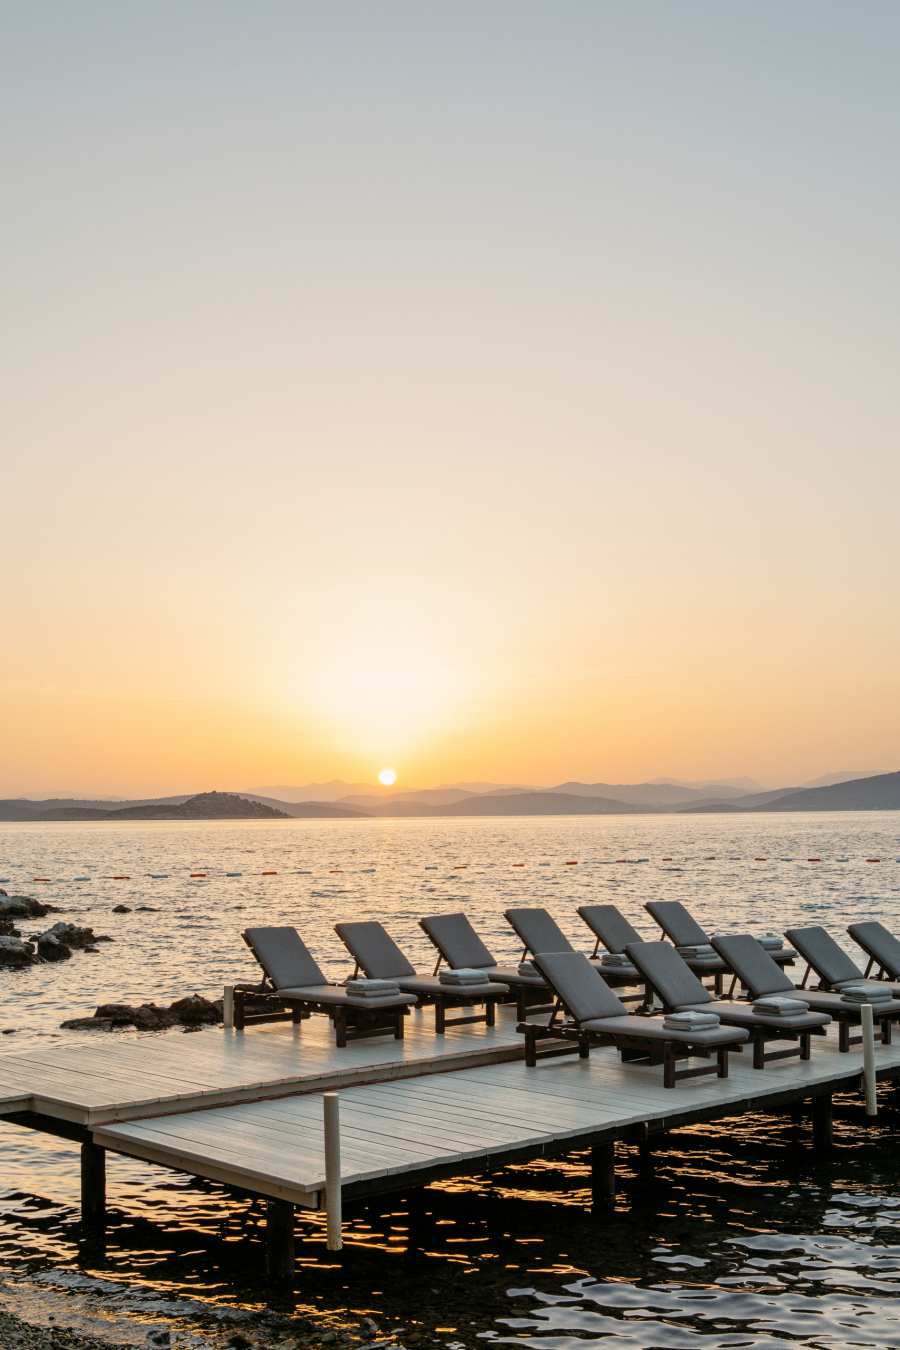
(805, 1045)
(521, 1013)
(722, 1060)
(93, 1184)
(440, 1014)
(239, 1010)
(668, 1064)
(531, 1047)
(603, 1175)
(340, 1027)
(843, 1036)
(823, 1121)
(398, 1026)
(718, 983)
(759, 1051)
(886, 1031)
(280, 1241)
(584, 1048)
(490, 1012)
(296, 1014)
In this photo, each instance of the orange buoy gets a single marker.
(198, 874)
(41, 878)
(270, 874)
(760, 860)
(712, 859)
(518, 864)
(667, 859)
(873, 860)
(332, 870)
(814, 860)
(121, 878)
(460, 867)
(572, 864)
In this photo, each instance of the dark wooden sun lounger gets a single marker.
(460, 946)
(375, 952)
(292, 977)
(539, 932)
(595, 1017)
(680, 991)
(761, 976)
(881, 947)
(835, 969)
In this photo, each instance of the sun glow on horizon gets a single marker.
(387, 776)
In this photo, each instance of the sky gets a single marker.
(489, 391)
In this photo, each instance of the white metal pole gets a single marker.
(228, 1006)
(868, 1040)
(331, 1103)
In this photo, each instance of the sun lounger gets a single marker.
(680, 991)
(460, 946)
(686, 935)
(539, 932)
(762, 977)
(838, 974)
(881, 947)
(292, 977)
(595, 1017)
(377, 954)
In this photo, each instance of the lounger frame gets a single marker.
(528, 998)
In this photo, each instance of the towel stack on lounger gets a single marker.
(699, 951)
(686, 1022)
(866, 993)
(528, 968)
(372, 988)
(464, 978)
(617, 961)
(771, 942)
(778, 1005)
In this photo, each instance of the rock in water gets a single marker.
(195, 1011)
(14, 952)
(23, 907)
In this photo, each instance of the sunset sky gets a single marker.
(496, 391)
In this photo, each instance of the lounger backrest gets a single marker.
(284, 957)
(880, 944)
(676, 922)
(753, 965)
(457, 941)
(663, 968)
(610, 925)
(374, 950)
(819, 949)
(538, 930)
(581, 987)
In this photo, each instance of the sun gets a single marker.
(387, 776)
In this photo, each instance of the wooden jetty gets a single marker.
(245, 1108)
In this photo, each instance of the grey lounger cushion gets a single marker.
(673, 980)
(538, 930)
(429, 985)
(610, 926)
(580, 985)
(651, 1028)
(675, 921)
(335, 997)
(878, 943)
(753, 965)
(373, 948)
(830, 962)
(743, 1015)
(457, 941)
(284, 957)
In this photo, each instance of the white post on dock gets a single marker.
(228, 1006)
(868, 1040)
(331, 1103)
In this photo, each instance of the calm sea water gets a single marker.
(724, 1236)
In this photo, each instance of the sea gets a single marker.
(732, 1234)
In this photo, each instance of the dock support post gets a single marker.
(868, 1040)
(228, 1007)
(823, 1121)
(93, 1184)
(332, 1107)
(603, 1175)
(280, 1241)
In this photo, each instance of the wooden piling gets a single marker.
(823, 1121)
(603, 1175)
(280, 1241)
(93, 1184)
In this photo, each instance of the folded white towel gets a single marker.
(372, 988)
(778, 1006)
(528, 968)
(690, 1021)
(616, 960)
(697, 952)
(866, 993)
(771, 942)
(465, 975)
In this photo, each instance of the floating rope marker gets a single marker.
(518, 864)
(460, 867)
(760, 860)
(367, 869)
(572, 864)
(270, 874)
(873, 860)
(198, 874)
(158, 876)
(667, 859)
(234, 874)
(332, 870)
(431, 867)
(304, 872)
(121, 878)
(691, 859)
(81, 878)
(819, 860)
(712, 859)
(543, 864)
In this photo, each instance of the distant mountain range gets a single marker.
(856, 792)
